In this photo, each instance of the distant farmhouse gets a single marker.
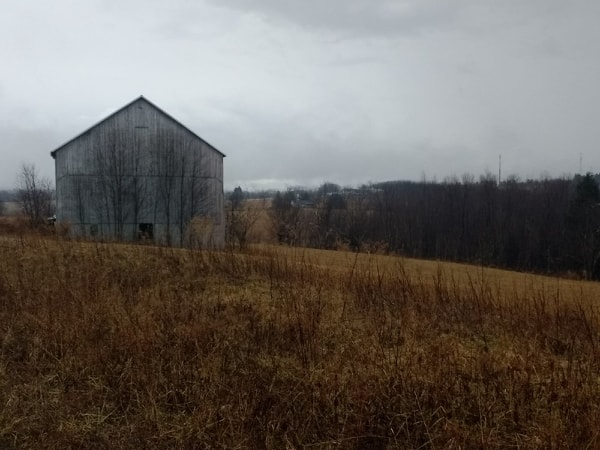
(139, 174)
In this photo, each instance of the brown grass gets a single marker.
(116, 346)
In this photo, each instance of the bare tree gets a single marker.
(113, 165)
(35, 195)
(286, 217)
(168, 167)
(242, 215)
(137, 186)
(192, 192)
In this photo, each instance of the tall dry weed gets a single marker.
(117, 346)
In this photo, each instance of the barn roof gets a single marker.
(140, 98)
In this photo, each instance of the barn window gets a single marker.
(146, 232)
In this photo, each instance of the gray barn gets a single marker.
(139, 174)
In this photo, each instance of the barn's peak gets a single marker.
(141, 98)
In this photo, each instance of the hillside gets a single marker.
(115, 346)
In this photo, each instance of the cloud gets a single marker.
(389, 18)
(21, 145)
(343, 90)
(362, 17)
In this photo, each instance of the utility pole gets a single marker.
(499, 169)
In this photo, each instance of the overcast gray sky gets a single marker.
(301, 92)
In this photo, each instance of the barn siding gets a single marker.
(140, 166)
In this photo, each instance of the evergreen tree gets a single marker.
(584, 225)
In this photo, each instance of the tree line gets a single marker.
(546, 225)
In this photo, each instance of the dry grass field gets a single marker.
(120, 346)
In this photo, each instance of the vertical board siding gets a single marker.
(140, 166)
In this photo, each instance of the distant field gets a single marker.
(125, 346)
(10, 208)
(502, 284)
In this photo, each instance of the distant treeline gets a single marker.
(8, 195)
(547, 225)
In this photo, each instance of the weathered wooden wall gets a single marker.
(141, 166)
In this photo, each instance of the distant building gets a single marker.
(139, 174)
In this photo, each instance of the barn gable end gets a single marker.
(139, 174)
